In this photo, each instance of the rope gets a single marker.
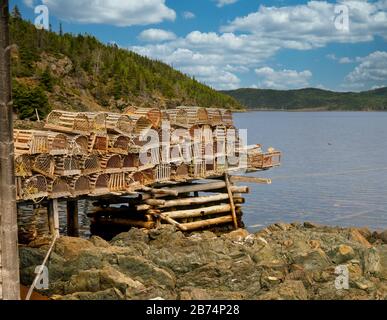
(41, 268)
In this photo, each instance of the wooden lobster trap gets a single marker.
(111, 163)
(214, 116)
(67, 166)
(234, 157)
(178, 117)
(79, 186)
(152, 114)
(44, 164)
(30, 142)
(118, 182)
(195, 115)
(58, 188)
(98, 144)
(220, 139)
(227, 118)
(99, 183)
(59, 143)
(131, 162)
(97, 122)
(89, 164)
(118, 123)
(138, 180)
(165, 116)
(119, 144)
(198, 169)
(79, 145)
(32, 188)
(143, 178)
(162, 172)
(141, 124)
(23, 165)
(180, 172)
(130, 110)
(259, 160)
(68, 122)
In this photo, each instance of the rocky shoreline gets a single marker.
(282, 261)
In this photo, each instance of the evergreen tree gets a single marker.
(16, 13)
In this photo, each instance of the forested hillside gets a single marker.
(61, 70)
(311, 99)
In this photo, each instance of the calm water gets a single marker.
(334, 168)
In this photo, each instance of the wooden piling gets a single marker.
(53, 217)
(9, 257)
(72, 218)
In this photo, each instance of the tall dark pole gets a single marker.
(9, 265)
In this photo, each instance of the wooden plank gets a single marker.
(192, 213)
(206, 223)
(233, 213)
(250, 179)
(194, 200)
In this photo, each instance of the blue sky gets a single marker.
(227, 44)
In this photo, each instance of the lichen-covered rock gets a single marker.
(282, 261)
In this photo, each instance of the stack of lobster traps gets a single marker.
(104, 154)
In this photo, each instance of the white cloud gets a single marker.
(29, 3)
(345, 60)
(248, 42)
(342, 60)
(113, 12)
(282, 79)
(312, 25)
(371, 72)
(156, 35)
(222, 3)
(188, 15)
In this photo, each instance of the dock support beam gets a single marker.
(53, 217)
(72, 218)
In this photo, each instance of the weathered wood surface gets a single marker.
(182, 214)
(250, 179)
(9, 259)
(231, 199)
(206, 223)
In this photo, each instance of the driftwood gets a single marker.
(232, 206)
(125, 222)
(250, 179)
(206, 223)
(182, 214)
(193, 201)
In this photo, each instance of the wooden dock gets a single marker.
(98, 156)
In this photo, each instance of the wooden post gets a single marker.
(53, 217)
(72, 218)
(233, 213)
(9, 258)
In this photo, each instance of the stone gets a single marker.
(372, 262)
(342, 253)
(310, 225)
(125, 238)
(99, 242)
(355, 235)
(109, 294)
(141, 268)
(315, 259)
(238, 235)
(383, 236)
(70, 248)
(288, 290)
